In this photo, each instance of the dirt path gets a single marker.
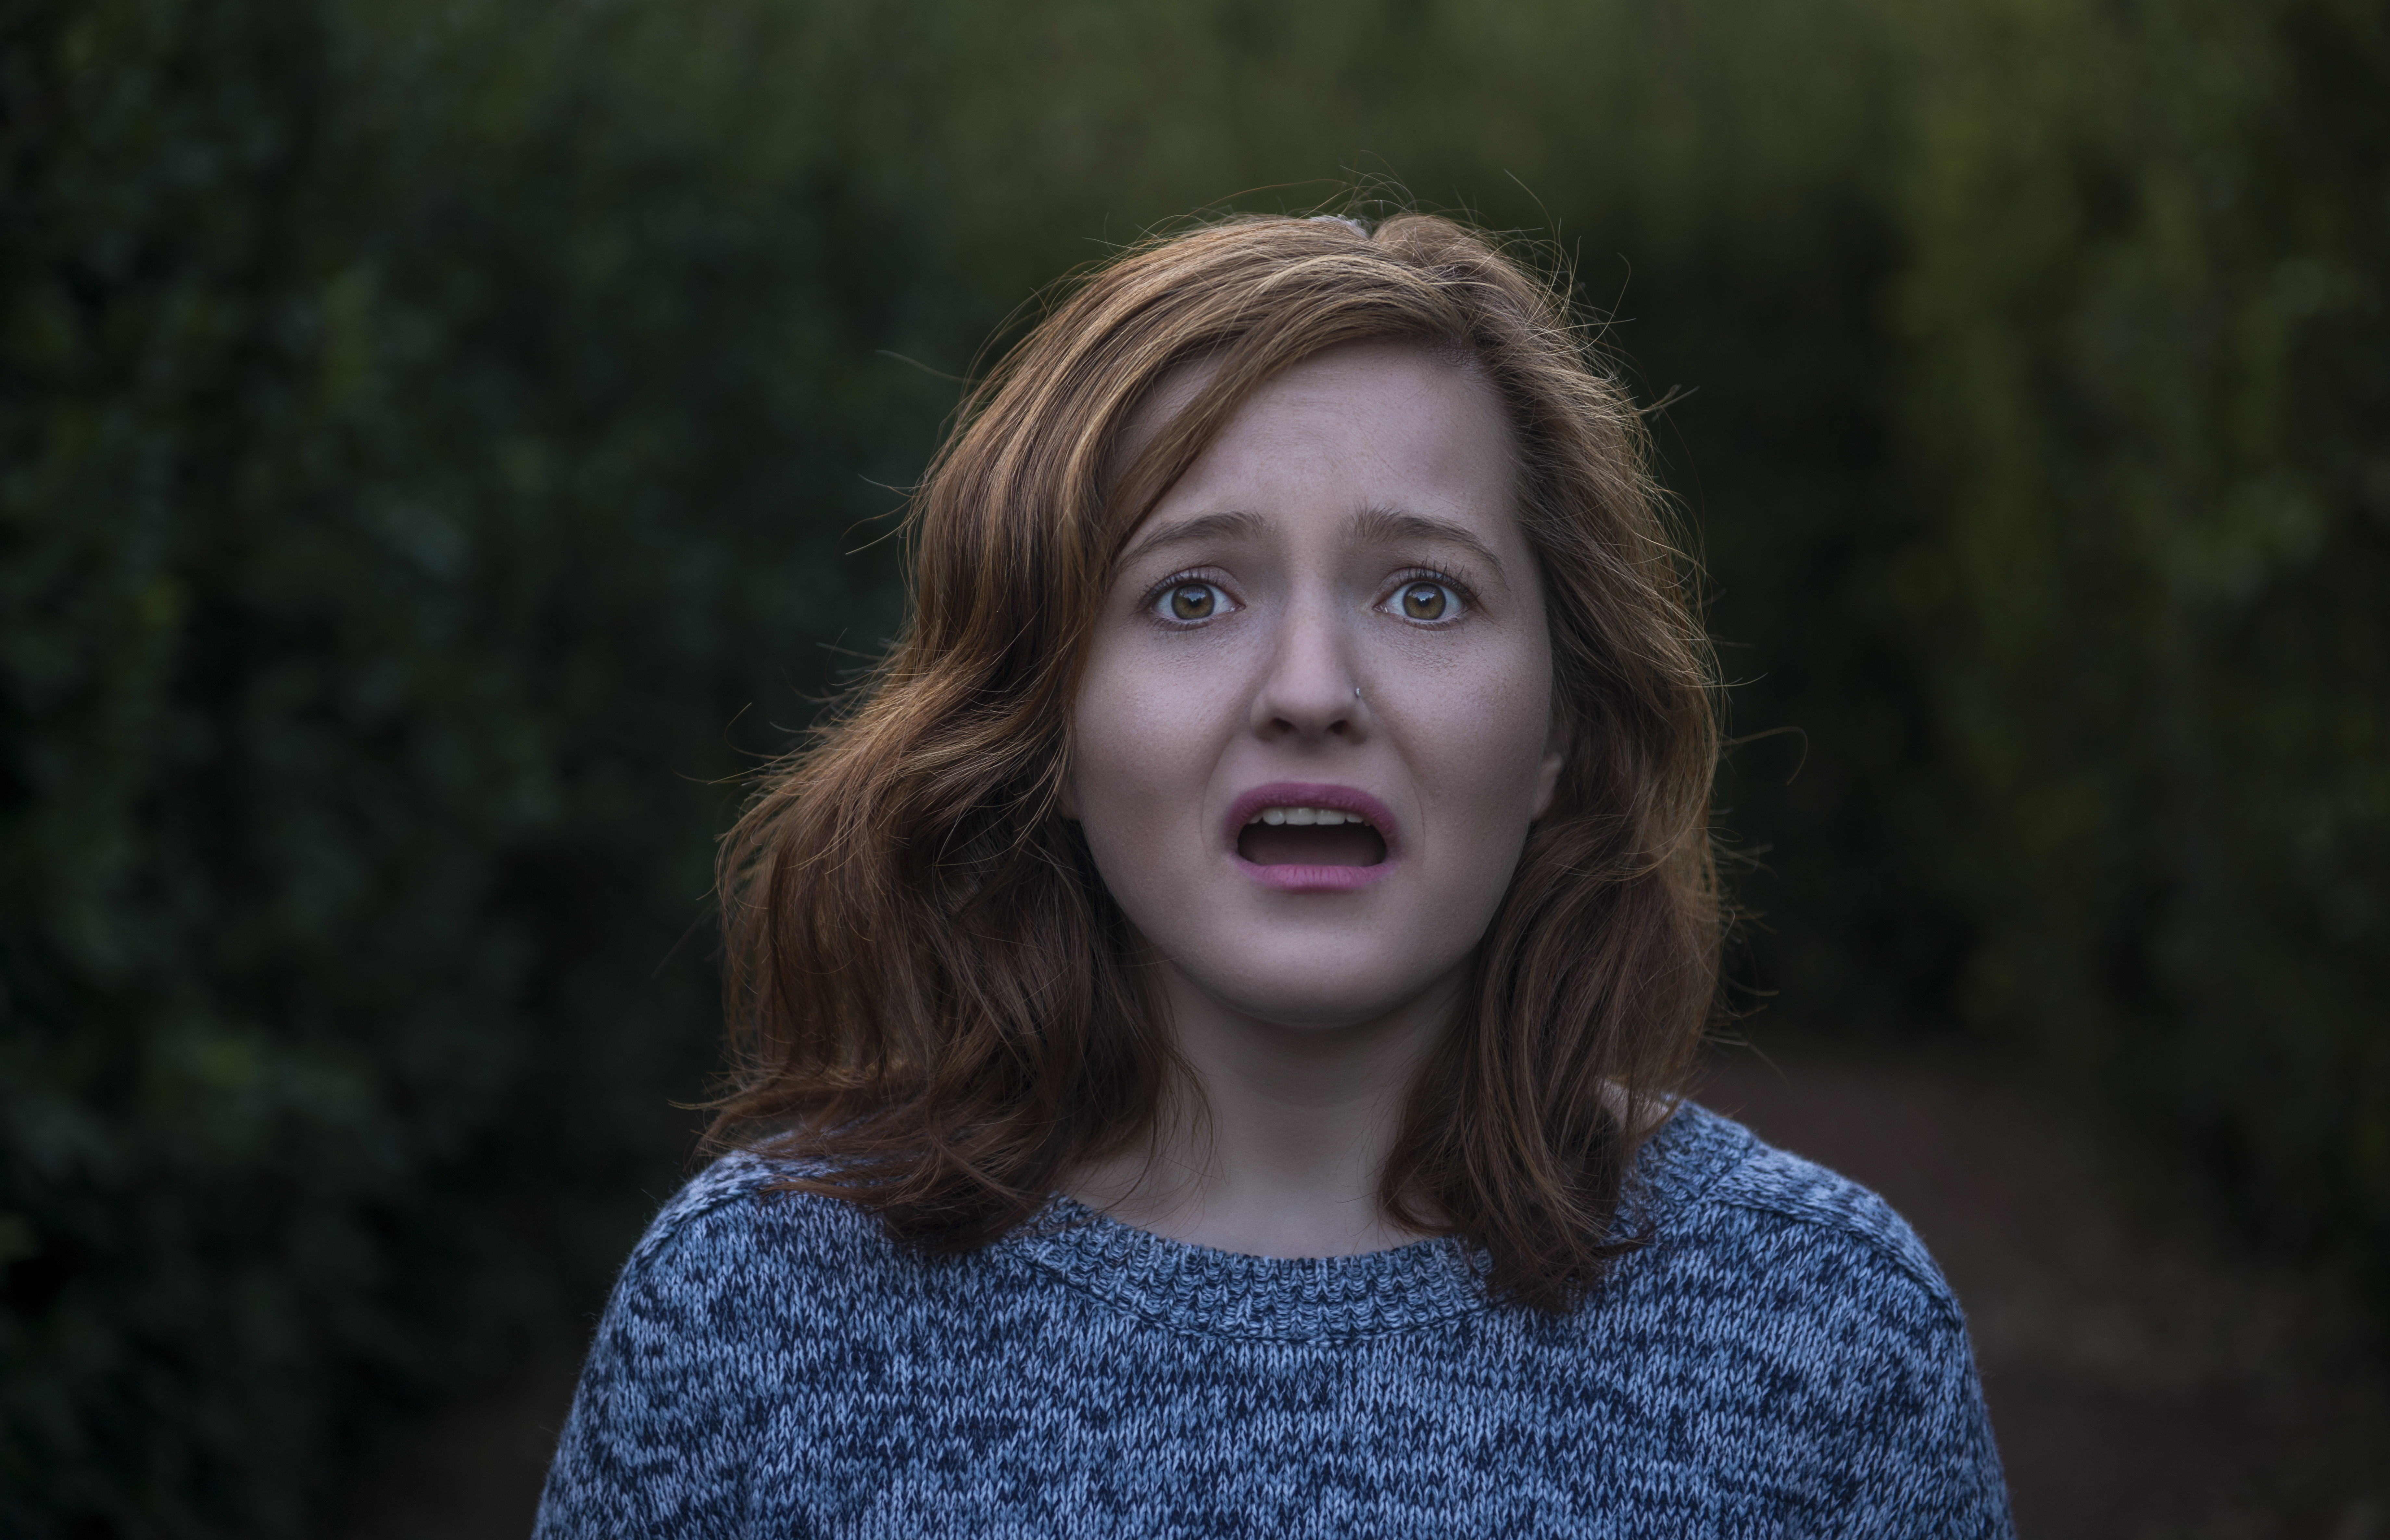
(2141, 1383)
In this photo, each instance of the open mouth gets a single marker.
(1310, 837)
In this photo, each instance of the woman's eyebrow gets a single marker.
(1207, 526)
(1390, 524)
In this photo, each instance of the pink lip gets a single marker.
(1313, 879)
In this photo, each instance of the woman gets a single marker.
(1208, 1014)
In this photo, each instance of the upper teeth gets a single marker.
(1304, 815)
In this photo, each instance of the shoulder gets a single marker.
(1810, 1320)
(716, 1298)
(734, 1258)
(736, 1251)
(744, 1205)
(1710, 1185)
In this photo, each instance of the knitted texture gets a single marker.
(1781, 1359)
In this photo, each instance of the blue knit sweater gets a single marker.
(1783, 1359)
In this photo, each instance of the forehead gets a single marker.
(1369, 424)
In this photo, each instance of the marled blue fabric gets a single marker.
(1783, 1360)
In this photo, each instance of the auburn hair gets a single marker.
(931, 995)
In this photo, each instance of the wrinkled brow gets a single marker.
(1209, 526)
(1370, 525)
(1390, 524)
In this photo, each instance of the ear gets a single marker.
(1548, 775)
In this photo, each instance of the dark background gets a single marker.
(439, 443)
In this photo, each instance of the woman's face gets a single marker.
(1315, 721)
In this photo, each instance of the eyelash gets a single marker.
(1151, 603)
(1444, 580)
(1160, 591)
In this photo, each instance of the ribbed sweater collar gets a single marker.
(1197, 1288)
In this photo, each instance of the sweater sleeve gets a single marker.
(1861, 1360)
(1928, 1468)
(663, 1426)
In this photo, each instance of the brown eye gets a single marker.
(1426, 601)
(1191, 601)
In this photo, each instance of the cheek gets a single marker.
(1139, 767)
(1485, 732)
(1112, 733)
(1138, 749)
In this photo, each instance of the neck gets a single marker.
(1276, 1147)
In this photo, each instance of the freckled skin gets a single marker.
(1356, 475)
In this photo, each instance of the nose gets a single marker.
(1308, 691)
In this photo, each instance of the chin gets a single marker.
(1308, 998)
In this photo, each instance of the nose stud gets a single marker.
(1356, 692)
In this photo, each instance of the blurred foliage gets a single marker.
(2148, 406)
(417, 454)
(441, 439)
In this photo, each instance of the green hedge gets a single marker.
(2147, 378)
(439, 442)
(417, 458)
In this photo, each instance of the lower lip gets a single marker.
(1313, 879)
